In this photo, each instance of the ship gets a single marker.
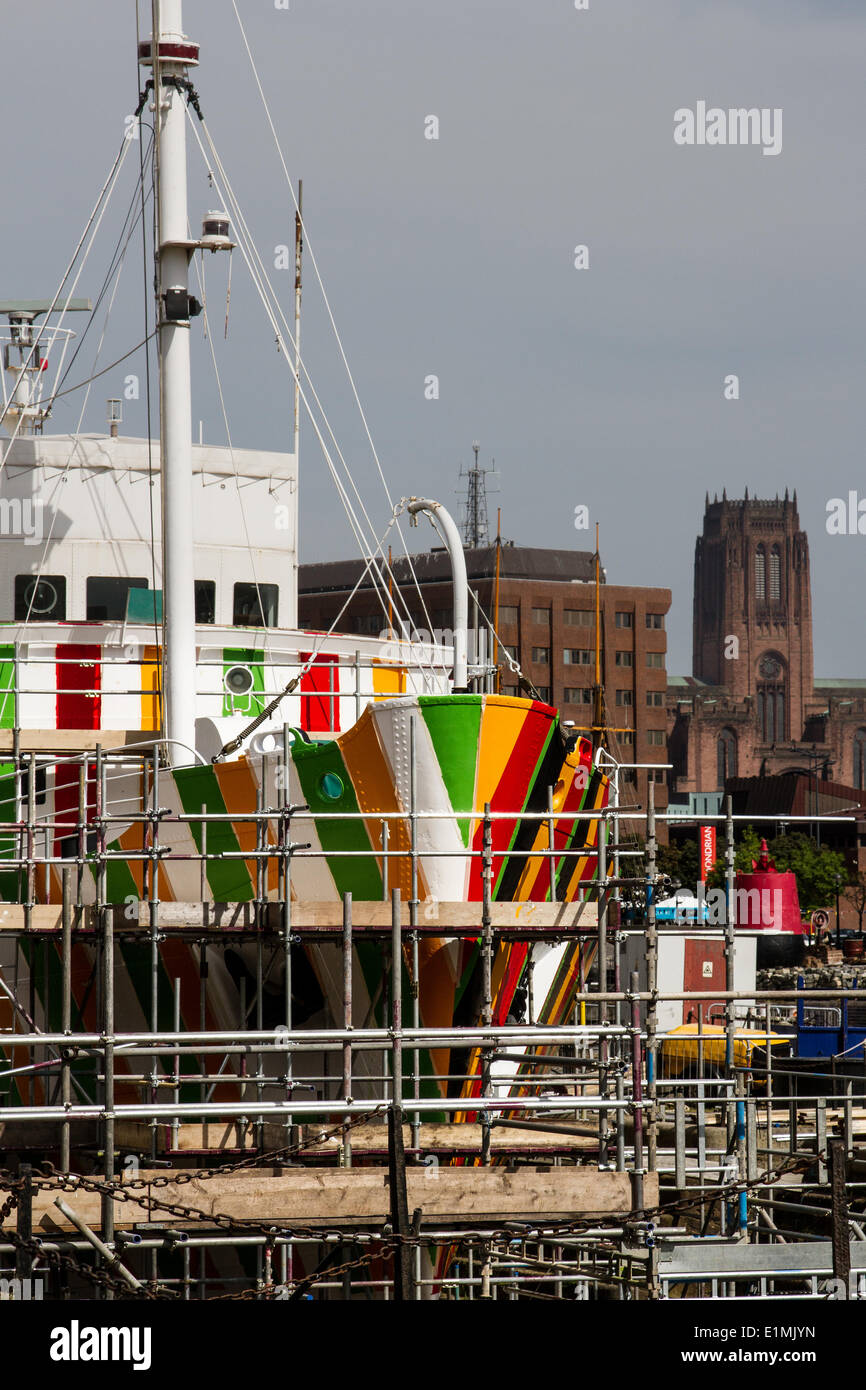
(171, 736)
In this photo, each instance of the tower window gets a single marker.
(726, 751)
(775, 573)
(760, 573)
(860, 759)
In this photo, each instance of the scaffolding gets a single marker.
(286, 1158)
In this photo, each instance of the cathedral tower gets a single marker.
(752, 610)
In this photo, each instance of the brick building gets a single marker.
(753, 706)
(547, 623)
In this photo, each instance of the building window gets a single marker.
(726, 753)
(255, 605)
(541, 655)
(626, 736)
(623, 659)
(575, 695)
(656, 737)
(655, 660)
(624, 697)
(578, 617)
(656, 621)
(860, 759)
(205, 601)
(775, 573)
(576, 656)
(657, 774)
(541, 615)
(507, 613)
(511, 651)
(544, 693)
(40, 600)
(655, 698)
(772, 718)
(623, 620)
(628, 774)
(106, 597)
(760, 573)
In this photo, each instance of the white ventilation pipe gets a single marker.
(445, 525)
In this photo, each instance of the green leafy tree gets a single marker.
(815, 868)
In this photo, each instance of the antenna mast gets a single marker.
(474, 525)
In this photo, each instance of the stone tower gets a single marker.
(753, 612)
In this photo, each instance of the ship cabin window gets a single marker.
(106, 597)
(205, 601)
(40, 600)
(255, 605)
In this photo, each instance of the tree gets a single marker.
(680, 862)
(814, 867)
(855, 894)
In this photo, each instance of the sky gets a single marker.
(454, 257)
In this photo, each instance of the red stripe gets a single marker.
(511, 794)
(78, 675)
(316, 686)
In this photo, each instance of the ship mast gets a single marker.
(170, 54)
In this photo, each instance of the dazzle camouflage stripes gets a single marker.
(468, 750)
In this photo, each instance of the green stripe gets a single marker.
(530, 787)
(358, 876)
(453, 723)
(7, 686)
(229, 879)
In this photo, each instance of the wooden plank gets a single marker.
(77, 740)
(435, 918)
(359, 1196)
(368, 1139)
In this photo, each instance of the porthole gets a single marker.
(331, 786)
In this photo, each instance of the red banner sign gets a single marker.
(708, 849)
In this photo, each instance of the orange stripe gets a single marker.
(375, 790)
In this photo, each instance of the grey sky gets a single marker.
(455, 256)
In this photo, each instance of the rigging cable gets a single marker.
(273, 310)
(327, 303)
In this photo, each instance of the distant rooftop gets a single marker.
(434, 566)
